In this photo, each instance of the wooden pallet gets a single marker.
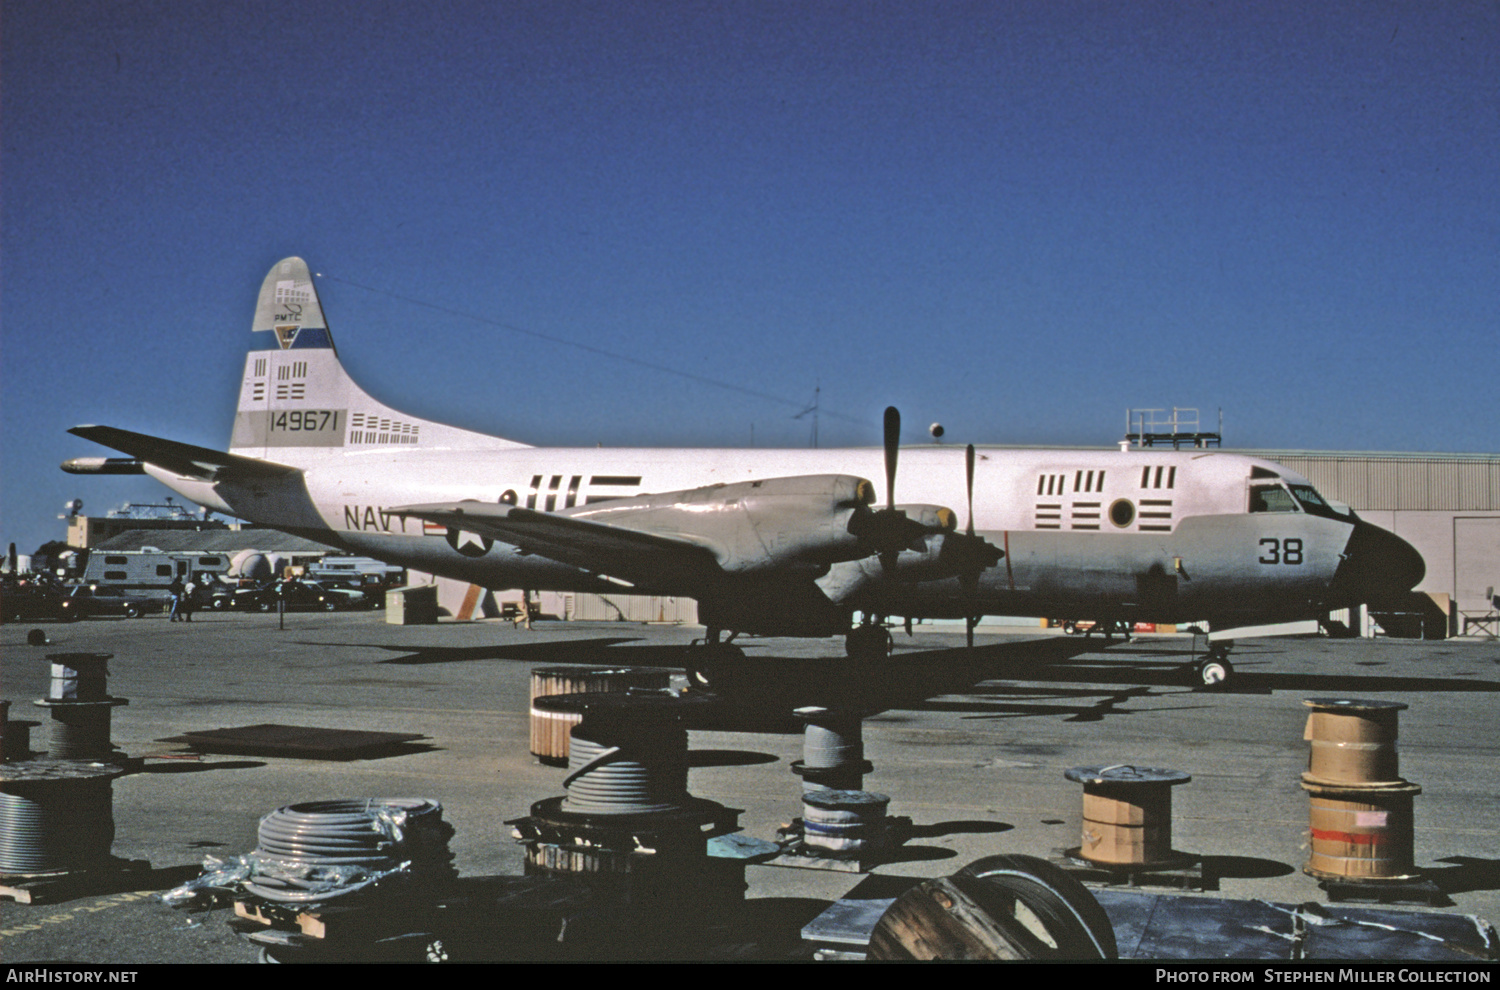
(1183, 873)
(43, 888)
(1412, 890)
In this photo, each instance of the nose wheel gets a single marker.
(1213, 674)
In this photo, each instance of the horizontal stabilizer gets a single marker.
(183, 459)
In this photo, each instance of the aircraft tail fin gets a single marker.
(299, 406)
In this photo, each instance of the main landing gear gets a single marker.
(869, 641)
(706, 651)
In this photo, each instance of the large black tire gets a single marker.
(1075, 926)
(701, 655)
(869, 643)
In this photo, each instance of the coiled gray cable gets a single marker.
(325, 849)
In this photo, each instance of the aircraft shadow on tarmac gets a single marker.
(760, 689)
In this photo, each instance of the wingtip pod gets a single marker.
(288, 314)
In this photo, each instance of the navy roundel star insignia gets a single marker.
(467, 543)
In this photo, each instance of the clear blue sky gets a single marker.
(1016, 218)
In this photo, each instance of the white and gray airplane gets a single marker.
(770, 542)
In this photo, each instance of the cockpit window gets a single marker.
(1271, 498)
(1314, 503)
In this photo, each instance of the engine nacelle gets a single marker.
(937, 557)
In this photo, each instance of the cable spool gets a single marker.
(79, 705)
(627, 822)
(844, 823)
(550, 729)
(1127, 814)
(323, 849)
(56, 816)
(627, 772)
(79, 676)
(1361, 834)
(1352, 742)
(833, 750)
(1360, 820)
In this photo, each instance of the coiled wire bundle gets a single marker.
(55, 815)
(321, 850)
(630, 773)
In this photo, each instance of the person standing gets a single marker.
(189, 599)
(177, 589)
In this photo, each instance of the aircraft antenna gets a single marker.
(813, 409)
(578, 345)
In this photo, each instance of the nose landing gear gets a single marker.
(1214, 672)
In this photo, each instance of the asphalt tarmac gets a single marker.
(971, 746)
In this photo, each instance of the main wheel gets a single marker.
(869, 643)
(699, 658)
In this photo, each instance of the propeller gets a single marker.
(892, 451)
(970, 579)
(888, 531)
(971, 553)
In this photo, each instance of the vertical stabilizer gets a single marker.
(298, 405)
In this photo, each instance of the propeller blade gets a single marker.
(892, 444)
(969, 484)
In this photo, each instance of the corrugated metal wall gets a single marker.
(1416, 482)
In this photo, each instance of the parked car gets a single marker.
(299, 596)
(218, 597)
(87, 601)
(29, 599)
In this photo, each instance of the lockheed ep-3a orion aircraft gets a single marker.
(770, 542)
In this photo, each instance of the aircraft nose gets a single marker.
(1378, 565)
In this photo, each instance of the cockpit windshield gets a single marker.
(1292, 498)
(1314, 503)
(1271, 498)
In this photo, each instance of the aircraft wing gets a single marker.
(183, 458)
(628, 554)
